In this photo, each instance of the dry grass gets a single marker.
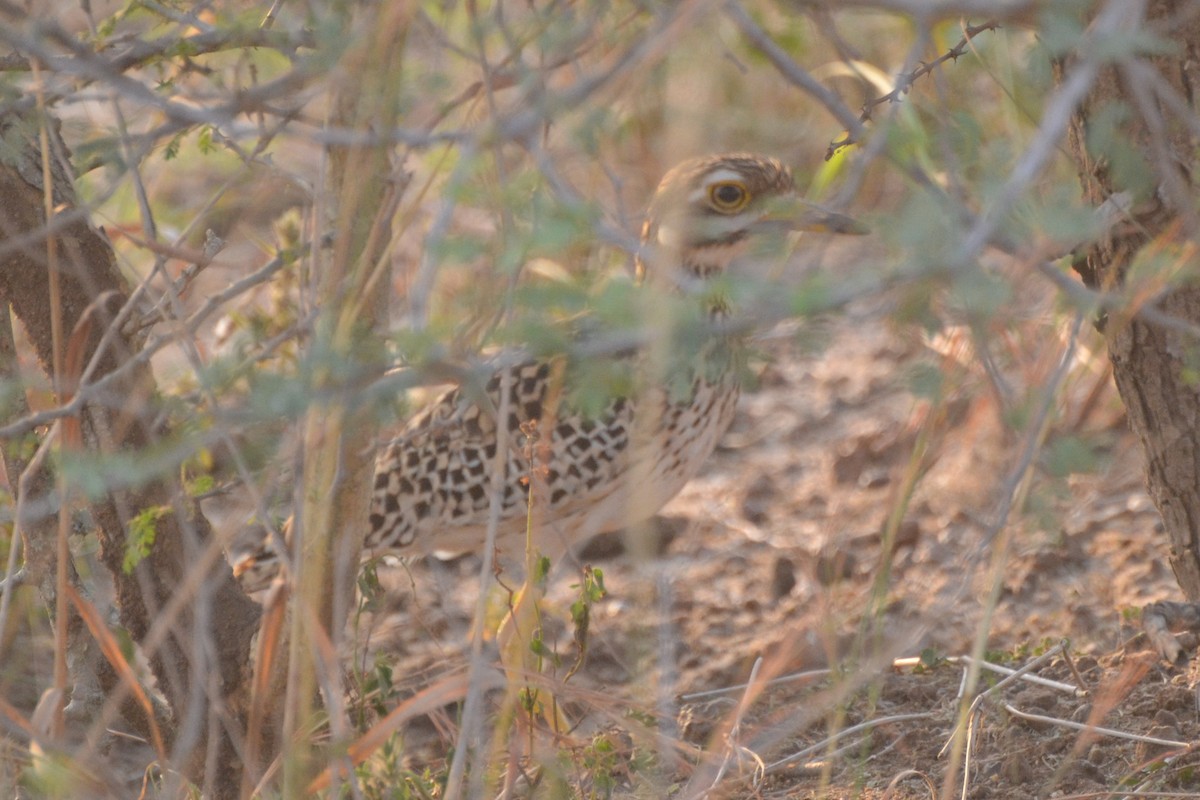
(527, 139)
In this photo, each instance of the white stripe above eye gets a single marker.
(719, 176)
(723, 176)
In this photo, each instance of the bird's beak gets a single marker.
(800, 215)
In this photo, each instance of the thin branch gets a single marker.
(941, 9)
(904, 82)
(790, 70)
(140, 52)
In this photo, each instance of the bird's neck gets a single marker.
(707, 260)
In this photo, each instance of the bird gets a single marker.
(591, 471)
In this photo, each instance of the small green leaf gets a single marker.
(205, 140)
(926, 381)
(172, 148)
(813, 297)
(1069, 455)
(201, 484)
(930, 658)
(143, 530)
(541, 569)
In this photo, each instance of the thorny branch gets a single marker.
(905, 82)
(522, 122)
(139, 53)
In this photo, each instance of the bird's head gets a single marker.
(708, 211)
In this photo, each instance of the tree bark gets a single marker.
(208, 646)
(1155, 366)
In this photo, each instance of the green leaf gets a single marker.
(926, 381)
(172, 148)
(1069, 455)
(538, 647)
(201, 484)
(1108, 139)
(205, 140)
(541, 569)
(830, 171)
(979, 294)
(930, 658)
(812, 297)
(143, 530)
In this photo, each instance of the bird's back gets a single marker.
(590, 473)
(584, 473)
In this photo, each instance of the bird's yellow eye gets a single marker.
(728, 197)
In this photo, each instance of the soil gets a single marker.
(760, 639)
(771, 566)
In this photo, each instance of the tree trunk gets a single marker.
(202, 663)
(1147, 154)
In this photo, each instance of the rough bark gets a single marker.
(93, 677)
(1154, 365)
(210, 640)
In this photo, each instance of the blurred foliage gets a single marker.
(533, 136)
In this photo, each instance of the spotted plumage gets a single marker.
(594, 473)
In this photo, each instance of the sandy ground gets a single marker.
(775, 551)
(771, 564)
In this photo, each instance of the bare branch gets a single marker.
(904, 82)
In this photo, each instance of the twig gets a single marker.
(1083, 690)
(790, 70)
(738, 687)
(1016, 674)
(904, 83)
(731, 738)
(1081, 726)
(824, 743)
(140, 52)
(908, 773)
(913, 661)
